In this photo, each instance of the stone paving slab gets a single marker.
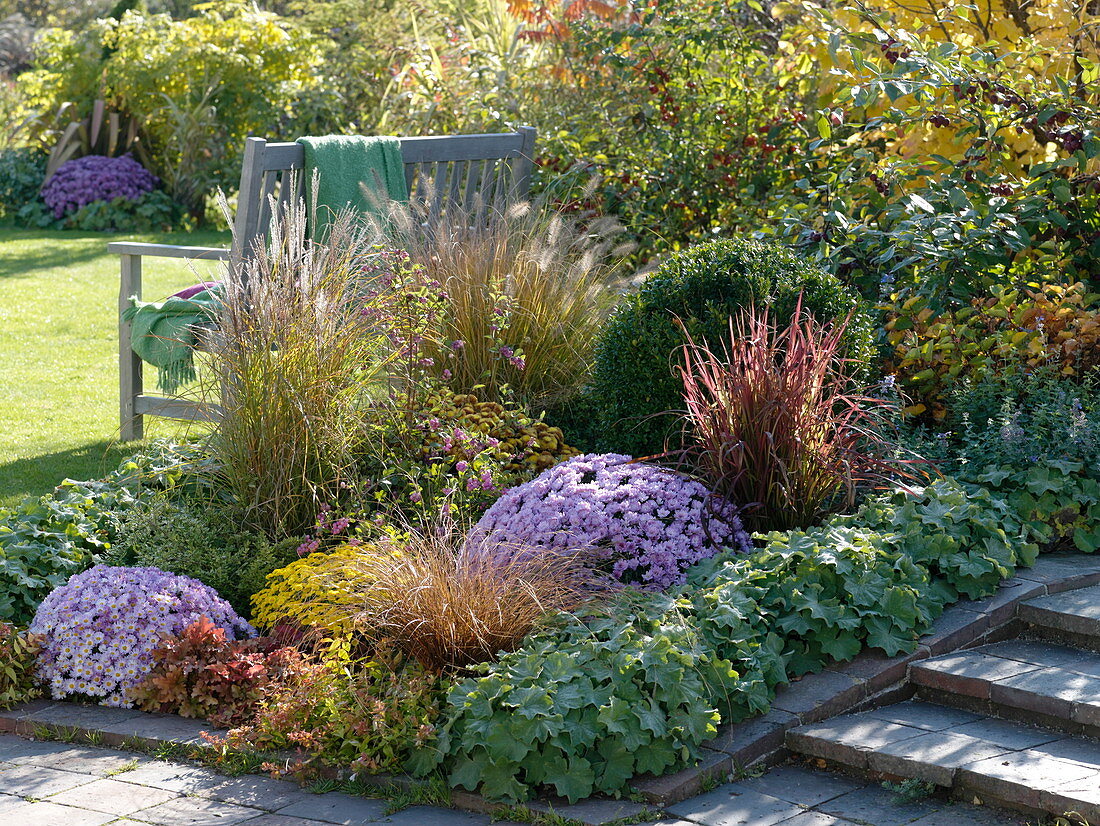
(970, 673)
(1077, 612)
(957, 627)
(1074, 749)
(848, 740)
(194, 811)
(795, 795)
(1020, 777)
(45, 813)
(875, 805)
(1064, 571)
(731, 805)
(160, 728)
(1004, 733)
(797, 785)
(20, 750)
(1053, 692)
(933, 757)
(1081, 796)
(173, 777)
(263, 793)
(434, 816)
(112, 797)
(817, 819)
(925, 715)
(335, 807)
(97, 761)
(9, 802)
(1044, 654)
(962, 814)
(35, 781)
(283, 820)
(817, 696)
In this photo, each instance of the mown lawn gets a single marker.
(58, 353)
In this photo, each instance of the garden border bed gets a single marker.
(868, 681)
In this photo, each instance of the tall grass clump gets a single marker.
(528, 289)
(297, 360)
(773, 421)
(451, 601)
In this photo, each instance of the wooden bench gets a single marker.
(490, 169)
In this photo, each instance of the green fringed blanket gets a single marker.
(347, 164)
(163, 333)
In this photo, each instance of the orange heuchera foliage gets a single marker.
(203, 674)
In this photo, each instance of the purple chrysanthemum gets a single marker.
(647, 522)
(83, 181)
(101, 627)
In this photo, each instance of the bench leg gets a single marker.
(130, 425)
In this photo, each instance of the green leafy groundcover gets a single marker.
(585, 706)
(47, 539)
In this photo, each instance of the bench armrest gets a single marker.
(168, 251)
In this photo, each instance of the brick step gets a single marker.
(1025, 680)
(974, 755)
(1072, 617)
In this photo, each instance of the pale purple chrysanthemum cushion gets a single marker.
(646, 523)
(100, 628)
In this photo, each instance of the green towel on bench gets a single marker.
(346, 164)
(163, 333)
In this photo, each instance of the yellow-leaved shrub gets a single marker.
(317, 591)
(1037, 43)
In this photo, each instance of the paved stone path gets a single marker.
(55, 784)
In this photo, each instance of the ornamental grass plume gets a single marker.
(298, 359)
(449, 602)
(528, 286)
(773, 421)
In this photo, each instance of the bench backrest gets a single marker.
(490, 170)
